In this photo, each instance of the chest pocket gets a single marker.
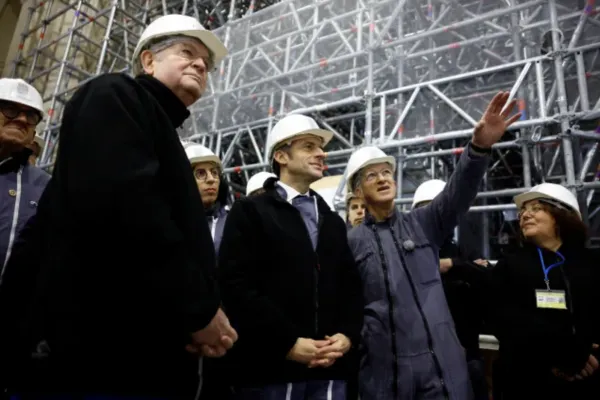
(371, 274)
(422, 261)
(28, 205)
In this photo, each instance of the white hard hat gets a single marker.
(19, 91)
(350, 196)
(363, 157)
(294, 125)
(197, 153)
(428, 190)
(550, 191)
(257, 181)
(176, 24)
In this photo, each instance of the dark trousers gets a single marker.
(477, 375)
(312, 390)
(215, 383)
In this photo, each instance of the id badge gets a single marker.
(554, 299)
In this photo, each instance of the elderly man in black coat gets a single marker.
(116, 273)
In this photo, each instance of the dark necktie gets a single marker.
(306, 206)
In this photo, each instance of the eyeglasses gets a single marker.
(372, 176)
(187, 55)
(534, 209)
(12, 111)
(176, 47)
(202, 174)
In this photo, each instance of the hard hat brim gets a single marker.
(378, 160)
(201, 159)
(324, 134)
(523, 198)
(350, 196)
(209, 39)
(33, 107)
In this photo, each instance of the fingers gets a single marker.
(192, 349)
(232, 333)
(206, 350)
(594, 346)
(329, 349)
(213, 351)
(506, 111)
(513, 119)
(332, 355)
(226, 342)
(501, 102)
(322, 362)
(593, 362)
(561, 375)
(322, 343)
(496, 104)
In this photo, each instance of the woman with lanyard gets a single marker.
(213, 189)
(207, 169)
(545, 301)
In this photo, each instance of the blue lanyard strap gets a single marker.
(547, 269)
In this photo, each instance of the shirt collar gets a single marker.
(290, 192)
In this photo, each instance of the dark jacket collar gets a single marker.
(370, 220)
(216, 210)
(569, 250)
(14, 162)
(174, 107)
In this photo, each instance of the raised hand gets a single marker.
(495, 121)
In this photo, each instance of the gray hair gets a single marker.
(356, 180)
(162, 43)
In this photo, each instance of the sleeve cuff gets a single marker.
(477, 151)
(197, 321)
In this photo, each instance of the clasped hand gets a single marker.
(319, 353)
(591, 366)
(215, 339)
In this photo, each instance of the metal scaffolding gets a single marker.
(412, 76)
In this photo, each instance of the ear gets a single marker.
(281, 157)
(147, 60)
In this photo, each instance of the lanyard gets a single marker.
(547, 269)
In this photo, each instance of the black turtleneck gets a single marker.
(173, 106)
